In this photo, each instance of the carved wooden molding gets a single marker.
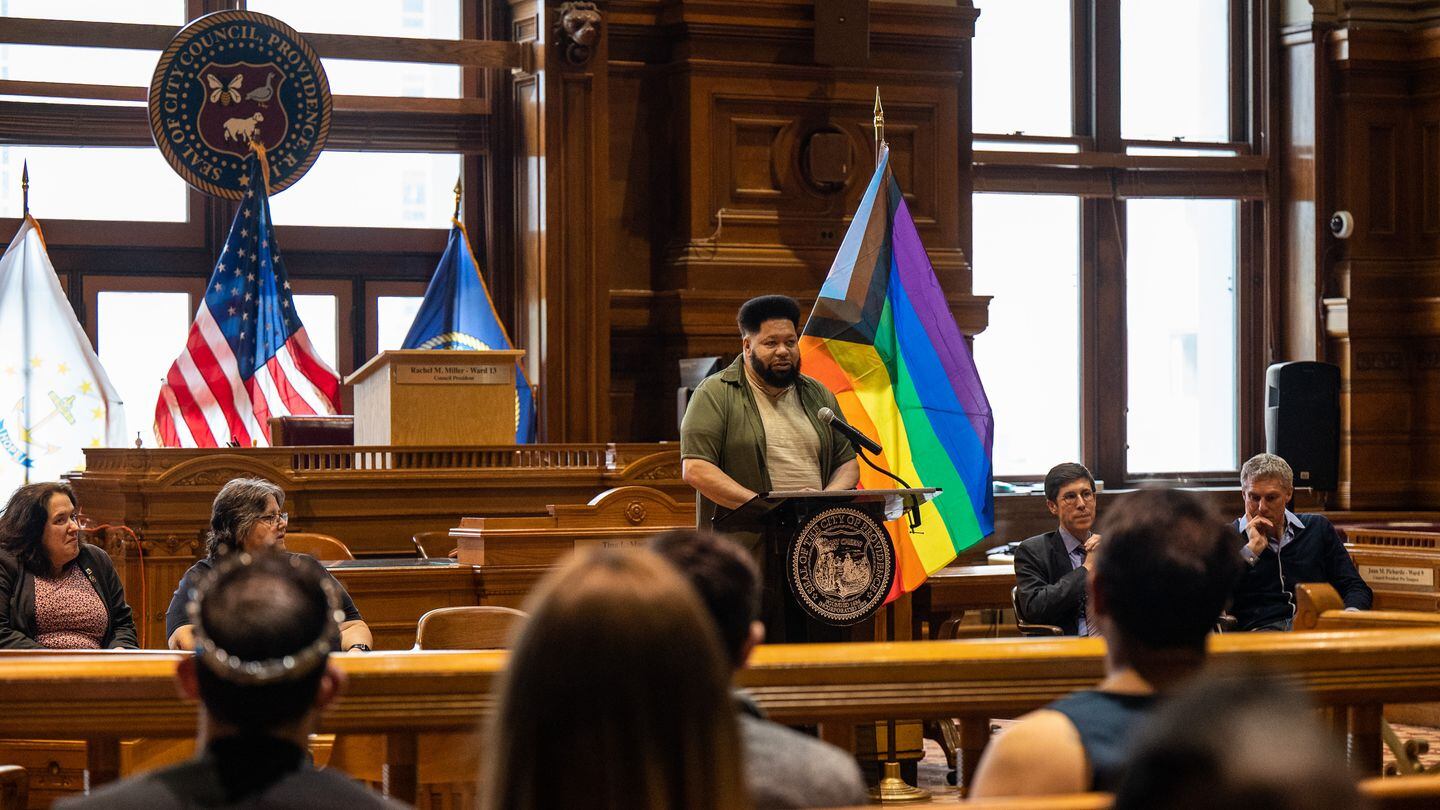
(577, 28)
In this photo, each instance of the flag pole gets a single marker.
(26, 374)
(459, 192)
(879, 126)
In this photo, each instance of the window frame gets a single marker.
(1104, 175)
(337, 260)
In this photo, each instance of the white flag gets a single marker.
(55, 399)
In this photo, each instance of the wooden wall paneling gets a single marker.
(741, 102)
(562, 136)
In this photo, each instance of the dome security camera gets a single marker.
(1342, 224)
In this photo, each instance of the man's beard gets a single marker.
(776, 379)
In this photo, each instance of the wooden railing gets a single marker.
(401, 695)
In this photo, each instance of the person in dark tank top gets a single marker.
(1163, 575)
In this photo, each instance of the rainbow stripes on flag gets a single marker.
(882, 338)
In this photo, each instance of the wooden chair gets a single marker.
(433, 544)
(485, 627)
(14, 787)
(319, 546)
(1026, 628)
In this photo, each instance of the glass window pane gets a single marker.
(320, 316)
(1180, 319)
(397, 313)
(1021, 68)
(157, 12)
(386, 18)
(92, 182)
(140, 334)
(372, 190)
(1175, 69)
(53, 63)
(382, 18)
(1029, 355)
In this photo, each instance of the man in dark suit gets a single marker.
(1050, 568)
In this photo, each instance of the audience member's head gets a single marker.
(728, 582)
(246, 516)
(618, 680)
(264, 626)
(37, 527)
(1167, 567)
(1266, 484)
(1070, 496)
(1242, 743)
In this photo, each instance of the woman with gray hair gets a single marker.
(246, 518)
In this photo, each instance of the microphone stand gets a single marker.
(913, 513)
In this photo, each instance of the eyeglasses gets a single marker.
(276, 519)
(1076, 497)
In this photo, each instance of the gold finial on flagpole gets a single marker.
(459, 192)
(25, 188)
(259, 149)
(879, 125)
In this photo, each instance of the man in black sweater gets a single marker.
(1282, 548)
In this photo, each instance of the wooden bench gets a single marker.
(405, 694)
(1394, 793)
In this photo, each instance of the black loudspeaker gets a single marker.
(1302, 420)
(693, 371)
(842, 32)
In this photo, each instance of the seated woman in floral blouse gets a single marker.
(55, 591)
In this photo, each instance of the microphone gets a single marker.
(848, 431)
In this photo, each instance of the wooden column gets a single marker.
(561, 138)
(1381, 286)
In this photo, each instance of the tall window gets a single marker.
(1118, 223)
(135, 245)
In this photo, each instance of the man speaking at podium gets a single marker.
(754, 428)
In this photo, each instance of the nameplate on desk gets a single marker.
(447, 374)
(1398, 575)
(587, 543)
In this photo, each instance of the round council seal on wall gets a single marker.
(841, 565)
(232, 77)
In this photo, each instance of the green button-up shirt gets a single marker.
(722, 426)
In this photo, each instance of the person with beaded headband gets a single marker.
(264, 626)
(246, 517)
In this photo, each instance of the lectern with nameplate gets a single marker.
(425, 397)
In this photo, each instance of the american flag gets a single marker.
(247, 357)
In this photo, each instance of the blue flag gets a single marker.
(457, 314)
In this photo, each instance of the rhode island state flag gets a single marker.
(55, 399)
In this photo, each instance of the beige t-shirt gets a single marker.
(792, 447)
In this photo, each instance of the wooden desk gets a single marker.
(372, 498)
(950, 592)
(392, 595)
(402, 694)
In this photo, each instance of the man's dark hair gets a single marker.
(765, 308)
(724, 575)
(1063, 474)
(1241, 742)
(262, 611)
(1166, 566)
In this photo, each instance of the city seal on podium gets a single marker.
(841, 565)
(228, 79)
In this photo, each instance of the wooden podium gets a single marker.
(439, 397)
